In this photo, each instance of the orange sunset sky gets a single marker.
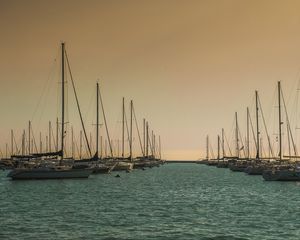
(187, 65)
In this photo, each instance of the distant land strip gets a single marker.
(181, 161)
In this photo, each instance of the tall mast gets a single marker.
(91, 139)
(248, 132)
(218, 147)
(12, 142)
(72, 136)
(101, 147)
(257, 126)
(97, 123)
(130, 140)
(280, 121)
(147, 139)
(144, 136)
(62, 98)
(80, 144)
(152, 141)
(123, 126)
(49, 136)
(29, 138)
(23, 143)
(105, 148)
(237, 136)
(41, 146)
(154, 146)
(159, 147)
(47, 150)
(57, 134)
(207, 147)
(118, 144)
(223, 146)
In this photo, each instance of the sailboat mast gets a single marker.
(97, 123)
(130, 140)
(12, 142)
(72, 137)
(29, 138)
(207, 147)
(80, 144)
(62, 98)
(57, 134)
(280, 121)
(50, 136)
(147, 139)
(223, 146)
(144, 136)
(159, 147)
(41, 147)
(123, 126)
(218, 147)
(248, 134)
(101, 147)
(257, 126)
(237, 136)
(154, 146)
(23, 143)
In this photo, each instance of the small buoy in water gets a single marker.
(117, 175)
(143, 169)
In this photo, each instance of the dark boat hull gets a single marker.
(29, 174)
(281, 175)
(254, 170)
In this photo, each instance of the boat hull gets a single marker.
(281, 175)
(28, 174)
(255, 170)
(102, 169)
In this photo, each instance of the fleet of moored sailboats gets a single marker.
(272, 168)
(55, 165)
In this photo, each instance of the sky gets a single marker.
(187, 65)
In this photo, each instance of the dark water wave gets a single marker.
(176, 201)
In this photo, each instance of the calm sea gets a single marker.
(174, 201)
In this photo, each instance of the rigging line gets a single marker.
(33, 139)
(104, 118)
(77, 102)
(91, 102)
(53, 137)
(226, 140)
(252, 130)
(76, 146)
(127, 128)
(288, 123)
(16, 145)
(265, 126)
(149, 141)
(44, 88)
(263, 150)
(137, 127)
(241, 140)
(212, 151)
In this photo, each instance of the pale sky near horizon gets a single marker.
(188, 65)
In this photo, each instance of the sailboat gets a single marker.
(282, 171)
(48, 170)
(99, 167)
(125, 164)
(237, 164)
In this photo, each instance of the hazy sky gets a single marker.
(188, 65)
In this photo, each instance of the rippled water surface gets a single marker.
(175, 201)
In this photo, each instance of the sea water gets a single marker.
(174, 201)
